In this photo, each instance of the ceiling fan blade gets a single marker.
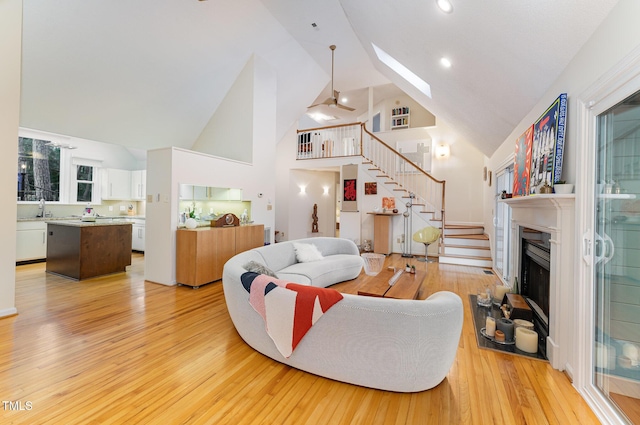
(328, 101)
(345, 107)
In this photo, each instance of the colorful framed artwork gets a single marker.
(370, 188)
(522, 163)
(547, 149)
(349, 190)
(388, 203)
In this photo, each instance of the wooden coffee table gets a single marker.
(406, 287)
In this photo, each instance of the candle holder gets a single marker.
(484, 297)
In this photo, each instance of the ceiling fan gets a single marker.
(332, 101)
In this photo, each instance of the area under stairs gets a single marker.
(466, 246)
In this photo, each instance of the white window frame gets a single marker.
(73, 178)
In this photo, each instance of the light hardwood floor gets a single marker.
(119, 350)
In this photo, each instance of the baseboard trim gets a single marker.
(7, 312)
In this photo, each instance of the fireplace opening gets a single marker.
(535, 278)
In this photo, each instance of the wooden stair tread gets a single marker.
(469, 236)
(466, 246)
(469, 257)
(463, 226)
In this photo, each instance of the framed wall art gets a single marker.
(522, 163)
(547, 148)
(370, 188)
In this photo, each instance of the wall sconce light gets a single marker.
(326, 190)
(442, 150)
(303, 189)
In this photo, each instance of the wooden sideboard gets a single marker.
(202, 252)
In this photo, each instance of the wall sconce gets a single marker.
(303, 189)
(326, 190)
(442, 151)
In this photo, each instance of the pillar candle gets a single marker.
(499, 293)
(526, 340)
(524, 323)
(506, 326)
(490, 326)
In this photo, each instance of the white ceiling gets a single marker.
(151, 73)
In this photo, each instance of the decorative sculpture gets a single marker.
(314, 226)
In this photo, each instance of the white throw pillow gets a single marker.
(307, 252)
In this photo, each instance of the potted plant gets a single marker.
(562, 188)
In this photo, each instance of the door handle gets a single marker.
(599, 243)
(586, 247)
(609, 248)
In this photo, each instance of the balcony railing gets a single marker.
(330, 142)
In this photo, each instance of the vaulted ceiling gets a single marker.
(151, 73)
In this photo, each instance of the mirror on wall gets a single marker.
(206, 203)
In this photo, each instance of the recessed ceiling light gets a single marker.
(402, 70)
(445, 6)
(445, 62)
(344, 100)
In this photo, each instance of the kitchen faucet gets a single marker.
(42, 207)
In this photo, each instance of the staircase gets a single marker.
(465, 245)
(461, 245)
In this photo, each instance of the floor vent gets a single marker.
(488, 271)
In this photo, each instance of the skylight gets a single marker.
(402, 70)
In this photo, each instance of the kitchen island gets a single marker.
(80, 250)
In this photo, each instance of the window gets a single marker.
(38, 170)
(84, 177)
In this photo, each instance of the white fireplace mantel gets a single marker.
(553, 214)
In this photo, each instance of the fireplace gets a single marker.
(535, 273)
(547, 222)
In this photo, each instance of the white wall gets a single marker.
(10, 52)
(168, 168)
(301, 204)
(229, 132)
(419, 117)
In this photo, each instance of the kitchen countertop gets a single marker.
(79, 223)
(120, 218)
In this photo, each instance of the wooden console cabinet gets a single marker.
(382, 233)
(202, 252)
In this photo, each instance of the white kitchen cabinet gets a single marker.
(31, 240)
(137, 235)
(138, 185)
(116, 184)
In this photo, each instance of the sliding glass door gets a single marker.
(616, 348)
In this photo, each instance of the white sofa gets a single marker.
(388, 344)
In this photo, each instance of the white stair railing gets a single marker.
(402, 174)
(405, 175)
